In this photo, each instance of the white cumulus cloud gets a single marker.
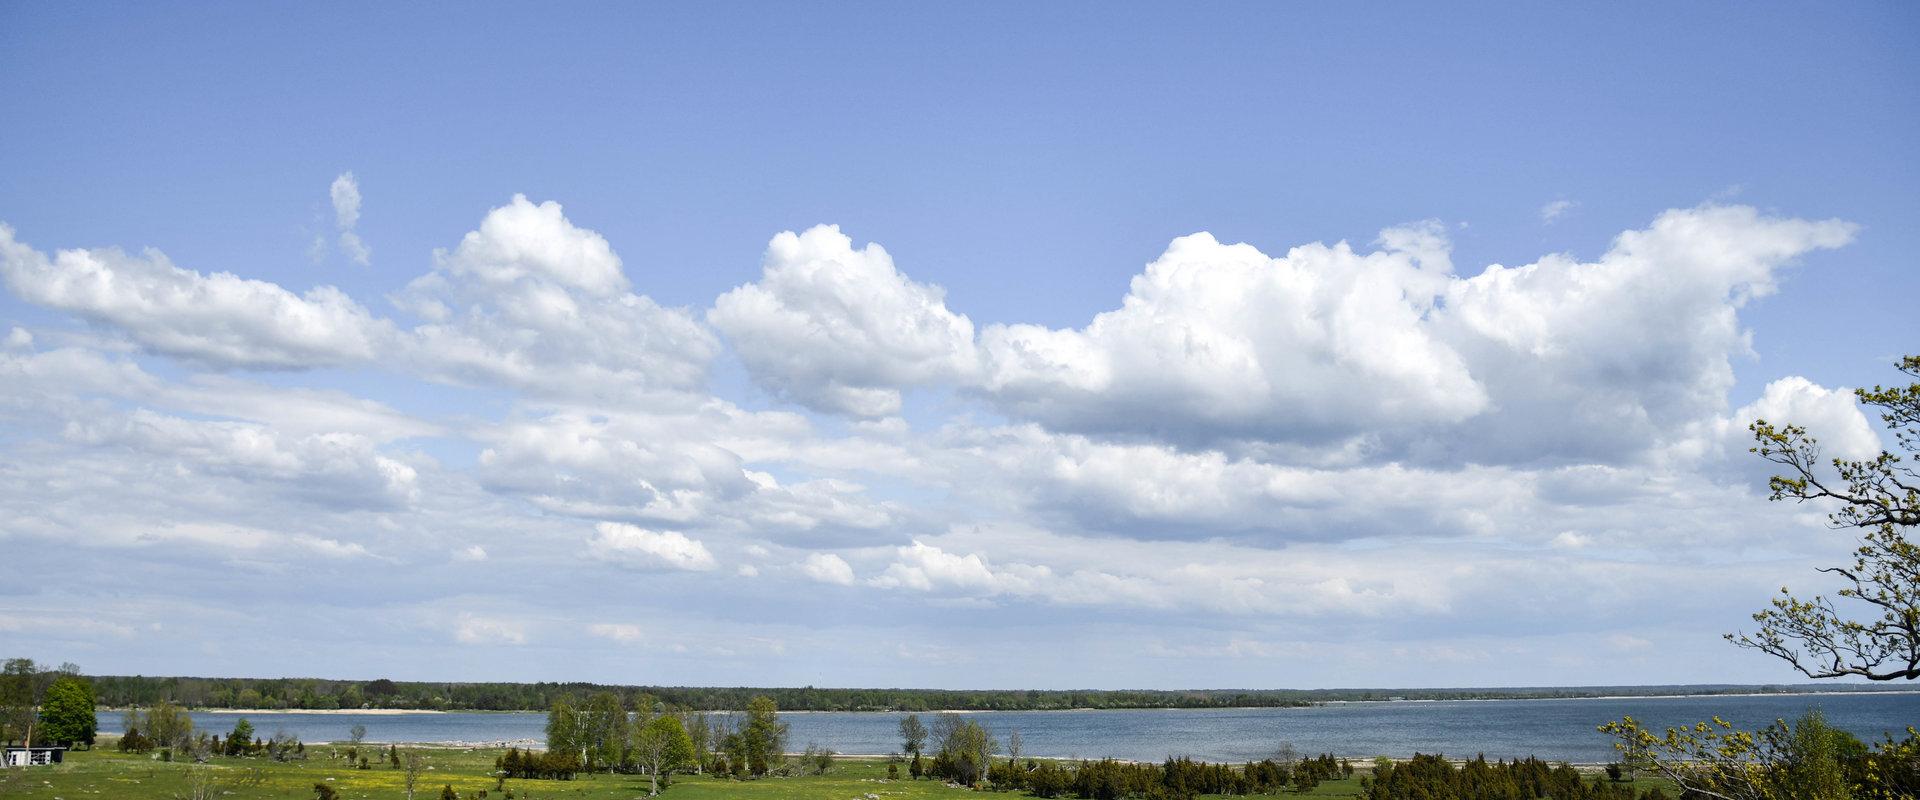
(840, 329)
(827, 568)
(533, 302)
(635, 546)
(221, 320)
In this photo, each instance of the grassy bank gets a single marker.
(113, 775)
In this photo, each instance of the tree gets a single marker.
(66, 716)
(563, 729)
(603, 731)
(663, 746)
(168, 725)
(357, 734)
(1881, 496)
(817, 759)
(913, 734)
(764, 736)
(241, 738)
(1013, 745)
(965, 749)
(414, 764)
(1801, 761)
(17, 700)
(697, 730)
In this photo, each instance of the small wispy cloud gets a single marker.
(619, 632)
(345, 195)
(1556, 209)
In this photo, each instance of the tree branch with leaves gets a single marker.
(1880, 495)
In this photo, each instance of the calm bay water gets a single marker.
(1558, 730)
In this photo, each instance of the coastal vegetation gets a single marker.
(473, 774)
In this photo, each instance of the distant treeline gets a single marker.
(324, 694)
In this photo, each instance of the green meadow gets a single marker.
(111, 775)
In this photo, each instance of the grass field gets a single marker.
(111, 775)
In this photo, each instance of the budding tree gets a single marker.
(1881, 496)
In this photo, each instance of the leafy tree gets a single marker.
(1881, 496)
(168, 725)
(17, 699)
(563, 729)
(913, 734)
(764, 736)
(965, 749)
(698, 730)
(131, 739)
(1801, 761)
(663, 746)
(66, 716)
(603, 731)
(241, 739)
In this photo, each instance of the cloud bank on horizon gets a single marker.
(1328, 464)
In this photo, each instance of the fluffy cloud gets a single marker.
(1385, 353)
(1218, 340)
(533, 302)
(840, 329)
(680, 467)
(337, 468)
(221, 320)
(827, 568)
(1597, 360)
(1333, 442)
(1832, 416)
(635, 546)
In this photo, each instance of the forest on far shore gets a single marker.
(116, 691)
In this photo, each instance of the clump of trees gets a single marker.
(550, 765)
(1806, 760)
(163, 726)
(1176, 779)
(45, 706)
(1431, 776)
(966, 750)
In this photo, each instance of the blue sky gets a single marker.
(637, 436)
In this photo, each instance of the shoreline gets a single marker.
(374, 712)
(1303, 706)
